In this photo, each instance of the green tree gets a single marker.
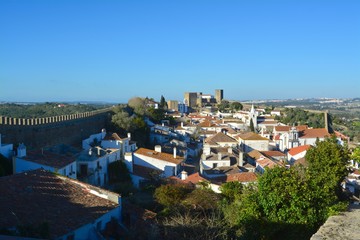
(170, 195)
(232, 190)
(122, 120)
(202, 198)
(236, 106)
(118, 172)
(163, 103)
(355, 155)
(326, 170)
(138, 104)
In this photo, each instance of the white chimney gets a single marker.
(174, 152)
(98, 151)
(241, 159)
(21, 151)
(182, 124)
(158, 148)
(207, 150)
(219, 156)
(162, 124)
(129, 135)
(90, 151)
(230, 150)
(184, 175)
(103, 133)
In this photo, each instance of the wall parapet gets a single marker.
(47, 120)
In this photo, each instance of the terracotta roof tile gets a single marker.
(48, 158)
(194, 178)
(38, 196)
(159, 155)
(250, 136)
(219, 137)
(273, 153)
(267, 163)
(112, 136)
(314, 133)
(297, 150)
(242, 177)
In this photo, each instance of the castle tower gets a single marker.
(219, 95)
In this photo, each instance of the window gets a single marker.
(215, 165)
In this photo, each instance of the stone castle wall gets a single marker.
(48, 131)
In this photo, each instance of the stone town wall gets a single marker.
(48, 131)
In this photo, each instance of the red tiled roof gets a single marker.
(267, 163)
(314, 133)
(273, 153)
(287, 128)
(36, 197)
(194, 178)
(250, 136)
(255, 154)
(206, 123)
(297, 150)
(48, 158)
(159, 155)
(242, 177)
(112, 136)
(219, 137)
(282, 128)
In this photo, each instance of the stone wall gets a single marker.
(42, 132)
(345, 226)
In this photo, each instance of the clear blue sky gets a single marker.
(114, 50)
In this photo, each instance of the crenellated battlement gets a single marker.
(47, 120)
(49, 131)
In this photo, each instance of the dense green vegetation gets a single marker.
(226, 106)
(131, 118)
(285, 204)
(299, 116)
(44, 109)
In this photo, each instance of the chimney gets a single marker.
(98, 151)
(182, 124)
(129, 136)
(184, 175)
(174, 152)
(158, 148)
(241, 158)
(90, 151)
(219, 156)
(103, 133)
(230, 150)
(21, 151)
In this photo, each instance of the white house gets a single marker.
(56, 163)
(114, 141)
(93, 164)
(70, 209)
(111, 141)
(143, 161)
(296, 153)
(6, 149)
(250, 141)
(220, 140)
